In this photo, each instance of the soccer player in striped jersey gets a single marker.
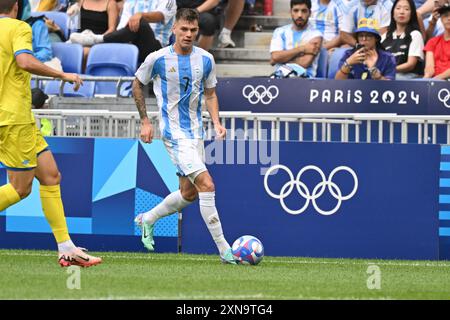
(182, 74)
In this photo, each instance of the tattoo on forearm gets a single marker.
(139, 99)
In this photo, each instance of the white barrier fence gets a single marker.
(387, 128)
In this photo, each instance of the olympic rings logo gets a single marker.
(446, 98)
(317, 191)
(260, 94)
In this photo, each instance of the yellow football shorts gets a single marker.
(20, 146)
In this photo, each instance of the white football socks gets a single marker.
(174, 202)
(211, 218)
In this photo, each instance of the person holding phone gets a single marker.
(437, 59)
(368, 60)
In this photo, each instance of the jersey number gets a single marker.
(186, 86)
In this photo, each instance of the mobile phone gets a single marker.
(358, 46)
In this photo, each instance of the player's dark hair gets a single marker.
(6, 6)
(187, 14)
(296, 2)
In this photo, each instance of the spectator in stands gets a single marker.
(377, 10)
(404, 40)
(435, 27)
(233, 12)
(38, 98)
(145, 23)
(297, 43)
(327, 17)
(437, 61)
(97, 16)
(367, 60)
(209, 19)
(42, 48)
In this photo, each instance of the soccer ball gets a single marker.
(248, 250)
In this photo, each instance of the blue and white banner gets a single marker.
(298, 95)
(329, 200)
(300, 199)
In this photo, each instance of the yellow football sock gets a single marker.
(54, 211)
(8, 196)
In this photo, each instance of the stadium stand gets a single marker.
(87, 90)
(71, 56)
(60, 18)
(333, 61)
(111, 59)
(322, 66)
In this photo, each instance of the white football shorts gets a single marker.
(188, 156)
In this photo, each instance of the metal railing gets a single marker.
(118, 80)
(379, 128)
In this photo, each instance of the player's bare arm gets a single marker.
(212, 104)
(27, 62)
(139, 99)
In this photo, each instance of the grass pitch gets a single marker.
(36, 275)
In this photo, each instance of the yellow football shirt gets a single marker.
(15, 87)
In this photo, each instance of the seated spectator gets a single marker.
(209, 19)
(368, 60)
(38, 98)
(146, 24)
(404, 40)
(233, 12)
(327, 17)
(435, 27)
(98, 16)
(298, 43)
(42, 48)
(377, 10)
(437, 61)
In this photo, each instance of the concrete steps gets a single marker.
(251, 57)
(257, 40)
(269, 23)
(242, 54)
(281, 8)
(244, 70)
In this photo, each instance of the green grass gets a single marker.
(36, 275)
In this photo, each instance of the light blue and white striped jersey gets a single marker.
(162, 30)
(381, 12)
(286, 38)
(179, 82)
(327, 18)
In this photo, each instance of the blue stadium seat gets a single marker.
(111, 59)
(70, 54)
(60, 18)
(87, 90)
(334, 61)
(322, 64)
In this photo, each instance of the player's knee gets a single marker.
(189, 195)
(208, 186)
(23, 191)
(52, 178)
